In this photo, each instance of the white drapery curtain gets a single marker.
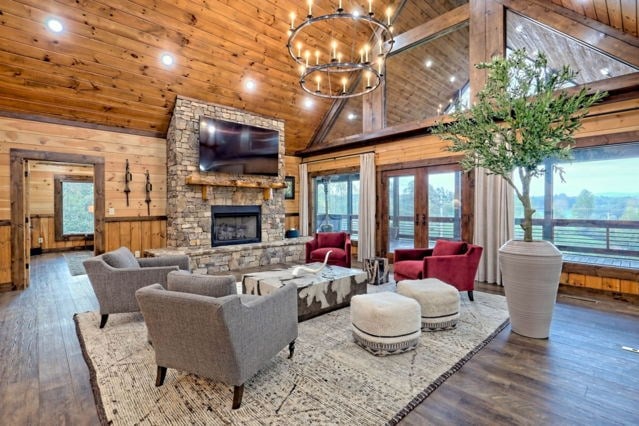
(494, 219)
(367, 204)
(303, 203)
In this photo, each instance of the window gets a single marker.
(592, 217)
(336, 202)
(73, 207)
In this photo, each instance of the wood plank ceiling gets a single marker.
(105, 68)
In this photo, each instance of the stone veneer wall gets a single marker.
(189, 217)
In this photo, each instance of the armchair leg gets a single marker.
(238, 392)
(470, 295)
(103, 320)
(159, 379)
(291, 349)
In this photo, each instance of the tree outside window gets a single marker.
(73, 206)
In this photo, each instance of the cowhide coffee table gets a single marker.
(329, 289)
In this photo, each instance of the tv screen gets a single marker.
(237, 148)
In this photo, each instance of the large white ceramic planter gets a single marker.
(530, 273)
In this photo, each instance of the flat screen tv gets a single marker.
(236, 148)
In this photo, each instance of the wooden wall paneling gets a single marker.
(5, 253)
(629, 287)
(136, 237)
(611, 284)
(145, 237)
(593, 282)
(158, 234)
(125, 234)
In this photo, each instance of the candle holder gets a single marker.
(362, 75)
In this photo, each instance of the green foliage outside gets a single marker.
(522, 117)
(76, 199)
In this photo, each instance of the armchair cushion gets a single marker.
(205, 285)
(445, 248)
(331, 239)
(320, 253)
(121, 258)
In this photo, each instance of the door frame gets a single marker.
(467, 196)
(17, 182)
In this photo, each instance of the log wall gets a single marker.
(143, 152)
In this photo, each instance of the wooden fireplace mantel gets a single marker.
(206, 181)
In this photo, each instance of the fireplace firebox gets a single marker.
(235, 225)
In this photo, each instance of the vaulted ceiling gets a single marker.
(105, 67)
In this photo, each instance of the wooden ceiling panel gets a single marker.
(105, 67)
(620, 14)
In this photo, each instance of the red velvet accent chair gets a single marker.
(338, 242)
(453, 262)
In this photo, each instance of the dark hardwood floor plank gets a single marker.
(577, 376)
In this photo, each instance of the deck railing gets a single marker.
(602, 237)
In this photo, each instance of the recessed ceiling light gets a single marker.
(519, 28)
(167, 59)
(351, 116)
(249, 84)
(55, 25)
(308, 103)
(604, 71)
(428, 63)
(452, 79)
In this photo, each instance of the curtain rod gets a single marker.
(337, 158)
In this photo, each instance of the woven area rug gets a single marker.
(74, 261)
(330, 379)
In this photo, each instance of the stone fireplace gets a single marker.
(192, 225)
(235, 225)
(189, 221)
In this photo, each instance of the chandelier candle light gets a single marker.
(352, 63)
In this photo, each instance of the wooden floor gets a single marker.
(579, 376)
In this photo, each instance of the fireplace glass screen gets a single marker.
(235, 225)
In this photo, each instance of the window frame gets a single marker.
(58, 181)
(313, 189)
(571, 266)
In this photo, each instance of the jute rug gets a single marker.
(74, 261)
(330, 380)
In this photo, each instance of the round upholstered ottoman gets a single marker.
(385, 323)
(439, 302)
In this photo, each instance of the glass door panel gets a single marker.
(401, 212)
(444, 206)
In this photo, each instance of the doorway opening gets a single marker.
(23, 208)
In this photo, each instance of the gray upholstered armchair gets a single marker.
(222, 338)
(116, 275)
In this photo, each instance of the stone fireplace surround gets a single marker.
(189, 210)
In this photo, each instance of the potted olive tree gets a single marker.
(522, 116)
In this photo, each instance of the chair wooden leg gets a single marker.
(159, 379)
(470, 295)
(291, 349)
(238, 392)
(103, 320)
